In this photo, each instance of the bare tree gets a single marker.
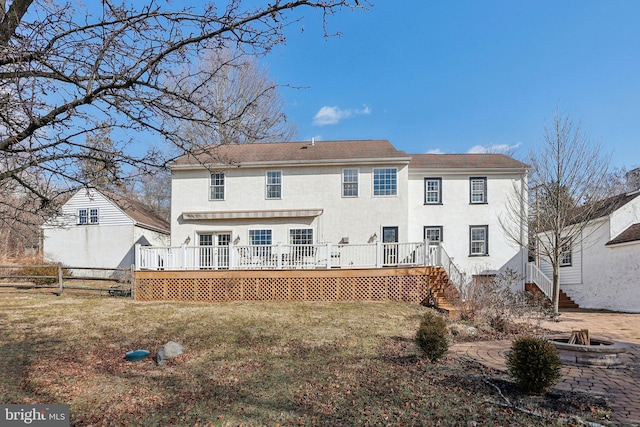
(69, 69)
(566, 190)
(241, 100)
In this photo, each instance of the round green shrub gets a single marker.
(431, 336)
(533, 363)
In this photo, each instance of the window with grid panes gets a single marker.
(385, 182)
(479, 240)
(433, 191)
(217, 186)
(274, 185)
(350, 183)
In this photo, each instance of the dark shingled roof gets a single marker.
(294, 151)
(604, 207)
(453, 161)
(141, 213)
(631, 234)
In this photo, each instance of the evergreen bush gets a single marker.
(533, 363)
(431, 336)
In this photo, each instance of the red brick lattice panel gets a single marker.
(392, 284)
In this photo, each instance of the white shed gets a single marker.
(97, 228)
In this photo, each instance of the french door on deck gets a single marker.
(214, 250)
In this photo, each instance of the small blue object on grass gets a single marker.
(136, 355)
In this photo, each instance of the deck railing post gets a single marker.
(379, 256)
(136, 255)
(328, 255)
(231, 257)
(279, 256)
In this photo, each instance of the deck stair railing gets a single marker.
(456, 277)
(535, 275)
(277, 257)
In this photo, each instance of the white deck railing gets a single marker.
(535, 275)
(277, 257)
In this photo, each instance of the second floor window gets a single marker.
(350, 183)
(433, 191)
(274, 185)
(217, 186)
(385, 182)
(478, 189)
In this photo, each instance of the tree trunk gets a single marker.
(556, 290)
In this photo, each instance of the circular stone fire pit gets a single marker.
(601, 353)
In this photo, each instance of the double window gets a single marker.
(478, 190)
(385, 182)
(433, 191)
(217, 186)
(274, 185)
(350, 183)
(479, 240)
(88, 216)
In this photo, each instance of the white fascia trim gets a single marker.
(283, 163)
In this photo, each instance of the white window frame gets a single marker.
(88, 216)
(474, 192)
(485, 241)
(350, 183)
(566, 255)
(217, 185)
(390, 188)
(261, 249)
(427, 192)
(269, 185)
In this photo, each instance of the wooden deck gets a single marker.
(409, 284)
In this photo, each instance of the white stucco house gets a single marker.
(97, 228)
(347, 193)
(602, 271)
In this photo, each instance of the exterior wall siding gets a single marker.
(357, 219)
(456, 214)
(610, 273)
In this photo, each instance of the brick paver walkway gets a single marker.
(621, 386)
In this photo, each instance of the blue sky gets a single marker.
(458, 76)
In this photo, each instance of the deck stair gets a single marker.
(564, 300)
(443, 294)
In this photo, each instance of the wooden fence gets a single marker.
(411, 284)
(113, 281)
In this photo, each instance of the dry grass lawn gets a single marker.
(246, 363)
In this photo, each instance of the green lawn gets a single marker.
(246, 363)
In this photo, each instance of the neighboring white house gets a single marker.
(97, 228)
(603, 270)
(347, 193)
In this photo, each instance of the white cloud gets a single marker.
(333, 115)
(495, 148)
(435, 151)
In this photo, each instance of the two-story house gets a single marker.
(347, 193)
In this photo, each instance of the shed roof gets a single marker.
(140, 212)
